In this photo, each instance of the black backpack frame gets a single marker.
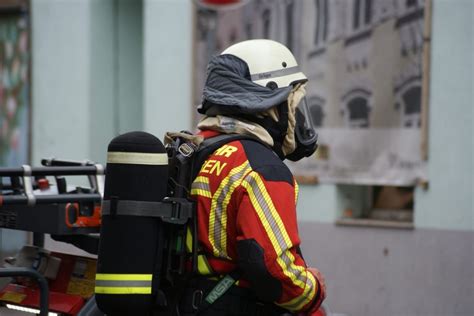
(185, 160)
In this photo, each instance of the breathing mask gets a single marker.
(306, 137)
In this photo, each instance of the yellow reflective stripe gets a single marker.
(114, 283)
(127, 283)
(271, 220)
(292, 271)
(202, 179)
(189, 240)
(123, 277)
(200, 186)
(234, 181)
(137, 158)
(204, 268)
(297, 191)
(218, 213)
(200, 192)
(306, 297)
(122, 290)
(266, 211)
(300, 273)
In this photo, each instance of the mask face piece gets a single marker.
(304, 129)
(305, 134)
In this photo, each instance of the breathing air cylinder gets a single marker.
(137, 173)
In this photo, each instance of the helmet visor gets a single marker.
(304, 129)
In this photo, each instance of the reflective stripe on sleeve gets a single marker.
(276, 232)
(200, 186)
(156, 159)
(267, 213)
(297, 191)
(218, 213)
(305, 298)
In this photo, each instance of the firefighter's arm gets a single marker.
(267, 243)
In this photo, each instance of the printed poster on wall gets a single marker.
(363, 59)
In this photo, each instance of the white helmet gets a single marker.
(268, 61)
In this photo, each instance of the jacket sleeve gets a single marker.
(268, 244)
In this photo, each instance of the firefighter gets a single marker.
(246, 195)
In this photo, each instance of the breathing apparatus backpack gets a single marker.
(146, 213)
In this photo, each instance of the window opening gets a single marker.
(358, 112)
(377, 206)
(266, 23)
(356, 14)
(321, 22)
(289, 25)
(316, 110)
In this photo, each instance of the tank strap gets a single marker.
(170, 210)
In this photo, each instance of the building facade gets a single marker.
(105, 67)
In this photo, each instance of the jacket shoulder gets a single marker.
(264, 161)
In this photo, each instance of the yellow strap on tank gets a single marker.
(122, 290)
(123, 277)
(123, 283)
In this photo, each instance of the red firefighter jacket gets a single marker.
(246, 203)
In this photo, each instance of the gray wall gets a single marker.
(87, 59)
(60, 79)
(422, 272)
(167, 65)
(448, 203)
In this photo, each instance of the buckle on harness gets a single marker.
(197, 299)
(187, 149)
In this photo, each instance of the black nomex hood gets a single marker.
(229, 89)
